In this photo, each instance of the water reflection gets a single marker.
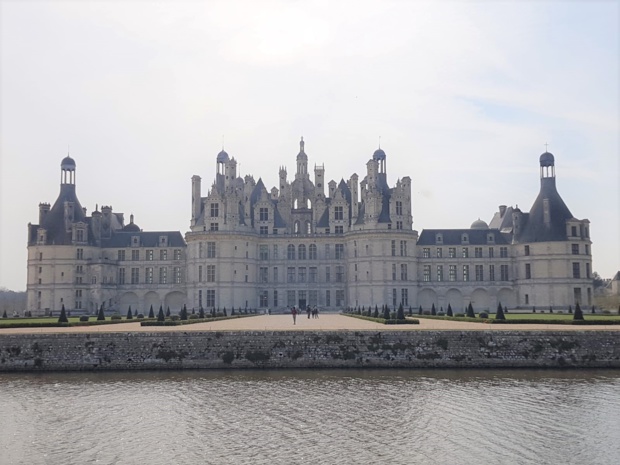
(332, 417)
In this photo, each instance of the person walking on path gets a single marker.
(308, 311)
(294, 313)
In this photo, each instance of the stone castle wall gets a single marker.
(309, 349)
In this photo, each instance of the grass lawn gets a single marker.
(7, 322)
(555, 316)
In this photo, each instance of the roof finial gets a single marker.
(68, 151)
(222, 142)
(131, 218)
(379, 141)
(546, 146)
(301, 144)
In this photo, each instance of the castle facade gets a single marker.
(307, 242)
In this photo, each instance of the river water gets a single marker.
(311, 417)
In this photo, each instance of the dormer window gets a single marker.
(464, 238)
(438, 238)
(135, 241)
(491, 238)
(163, 241)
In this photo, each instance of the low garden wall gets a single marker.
(308, 349)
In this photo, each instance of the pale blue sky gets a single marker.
(463, 94)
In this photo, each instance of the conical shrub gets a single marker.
(63, 315)
(500, 313)
(101, 314)
(400, 314)
(578, 313)
(433, 309)
(151, 312)
(470, 311)
(449, 312)
(160, 314)
(129, 314)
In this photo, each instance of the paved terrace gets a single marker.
(326, 322)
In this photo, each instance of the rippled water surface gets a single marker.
(331, 417)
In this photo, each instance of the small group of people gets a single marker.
(309, 310)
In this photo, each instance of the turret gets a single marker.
(353, 187)
(44, 209)
(319, 181)
(302, 161)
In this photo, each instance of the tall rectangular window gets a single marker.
(328, 299)
(177, 254)
(403, 248)
(479, 273)
(465, 272)
(177, 275)
(149, 255)
(339, 273)
(339, 297)
(439, 272)
(426, 252)
(394, 297)
(200, 299)
(452, 273)
(328, 277)
(263, 299)
(313, 298)
(210, 273)
(275, 274)
(79, 254)
(575, 249)
(338, 213)
(263, 274)
(399, 208)
(263, 231)
(121, 275)
(491, 252)
(148, 278)
(211, 298)
(465, 252)
(339, 251)
(290, 274)
(399, 224)
(135, 275)
(199, 273)
(526, 250)
(439, 252)
(263, 214)
(328, 252)
(163, 254)
(210, 249)
(301, 273)
(290, 299)
(452, 252)
(121, 255)
(403, 271)
(275, 298)
(587, 270)
(263, 252)
(275, 251)
(427, 273)
(135, 255)
(503, 270)
(503, 252)
(313, 274)
(393, 248)
(478, 252)
(528, 271)
(576, 270)
(214, 227)
(215, 210)
(393, 271)
(491, 272)
(404, 297)
(163, 275)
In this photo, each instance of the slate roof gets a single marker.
(54, 221)
(122, 239)
(453, 237)
(534, 228)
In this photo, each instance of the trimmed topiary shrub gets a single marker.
(500, 313)
(116, 316)
(376, 314)
(84, 318)
(470, 311)
(193, 316)
(175, 318)
(420, 310)
(140, 316)
(426, 312)
(400, 314)
(386, 312)
(160, 314)
(168, 311)
(151, 312)
(578, 313)
(570, 309)
(433, 310)
(101, 315)
(449, 312)
(440, 313)
(63, 315)
(129, 314)
(4, 315)
(484, 315)
(201, 312)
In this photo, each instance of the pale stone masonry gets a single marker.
(307, 242)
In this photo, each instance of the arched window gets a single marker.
(295, 204)
(296, 227)
(308, 227)
(301, 252)
(290, 252)
(312, 252)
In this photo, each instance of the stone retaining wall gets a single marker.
(308, 349)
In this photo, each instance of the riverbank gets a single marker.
(332, 341)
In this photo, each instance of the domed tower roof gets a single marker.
(547, 159)
(302, 153)
(378, 155)
(67, 163)
(479, 224)
(131, 227)
(222, 157)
